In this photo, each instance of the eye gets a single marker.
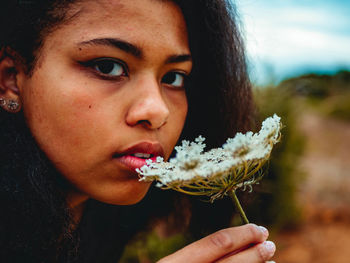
(174, 79)
(109, 67)
(106, 68)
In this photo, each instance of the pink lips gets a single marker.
(128, 158)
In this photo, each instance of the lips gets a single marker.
(136, 156)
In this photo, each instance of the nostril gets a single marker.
(146, 122)
(153, 124)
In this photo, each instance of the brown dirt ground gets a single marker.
(324, 235)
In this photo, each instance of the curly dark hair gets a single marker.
(35, 222)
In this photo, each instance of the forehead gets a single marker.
(136, 20)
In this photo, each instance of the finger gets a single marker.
(257, 254)
(219, 244)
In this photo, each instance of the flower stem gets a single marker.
(239, 207)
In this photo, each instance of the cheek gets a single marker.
(55, 111)
(182, 114)
(177, 103)
(177, 120)
(181, 109)
(62, 121)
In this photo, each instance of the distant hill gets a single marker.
(318, 85)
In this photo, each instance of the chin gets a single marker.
(128, 196)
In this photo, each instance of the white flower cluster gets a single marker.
(219, 170)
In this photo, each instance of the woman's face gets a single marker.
(107, 92)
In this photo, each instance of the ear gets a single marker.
(9, 91)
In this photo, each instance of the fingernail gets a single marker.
(264, 231)
(268, 249)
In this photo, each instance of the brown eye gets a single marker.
(109, 67)
(175, 79)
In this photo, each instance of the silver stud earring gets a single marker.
(2, 102)
(13, 105)
(9, 105)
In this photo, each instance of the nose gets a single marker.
(148, 107)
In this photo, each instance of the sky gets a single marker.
(286, 38)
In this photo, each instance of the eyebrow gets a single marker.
(178, 58)
(114, 42)
(132, 49)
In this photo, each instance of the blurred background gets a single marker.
(299, 62)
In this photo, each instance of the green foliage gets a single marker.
(318, 86)
(336, 106)
(326, 94)
(310, 85)
(273, 203)
(149, 247)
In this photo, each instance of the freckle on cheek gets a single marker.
(90, 106)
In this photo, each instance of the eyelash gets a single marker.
(93, 65)
(181, 74)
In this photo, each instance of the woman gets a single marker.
(89, 90)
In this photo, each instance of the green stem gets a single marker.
(239, 207)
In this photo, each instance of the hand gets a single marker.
(232, 245)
